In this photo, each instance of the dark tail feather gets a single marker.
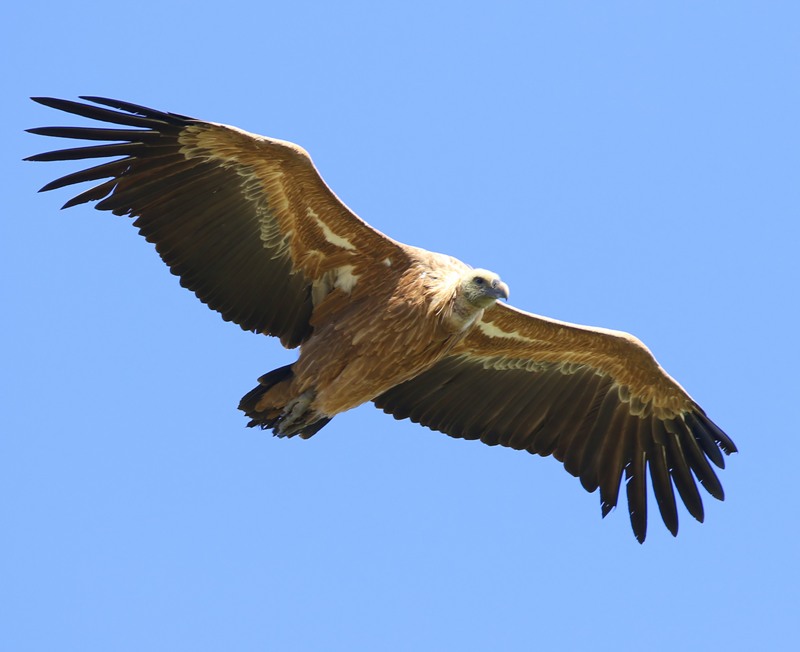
(313, 428)
(265, 383)
(271, 420)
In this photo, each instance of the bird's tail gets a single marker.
(286, 416)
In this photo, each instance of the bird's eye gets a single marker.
(478, 280)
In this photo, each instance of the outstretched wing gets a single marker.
(595, 399)
(245, 221)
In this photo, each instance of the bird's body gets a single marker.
(355, 353)
(251, 228)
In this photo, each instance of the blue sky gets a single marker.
(620, 165)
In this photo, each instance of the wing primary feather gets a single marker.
(92, 151)
(711, 438)
(679, 468)
(93, 194)
(160, 204)
(702, 469)
(103, 115)
(166, 116)
(154, 118)
(161, 186)
(705, 439)
(636, 486)
(612, 460)
(722, 439)
(102, 171)
(659, 473)
(97, 133)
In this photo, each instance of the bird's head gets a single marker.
(482, 288)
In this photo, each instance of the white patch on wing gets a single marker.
(345, 279)
(330, 236)
(387, 262)
(340, 278)
(490, 330)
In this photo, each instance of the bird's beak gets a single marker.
(500, 290)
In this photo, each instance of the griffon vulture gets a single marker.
(250, 227)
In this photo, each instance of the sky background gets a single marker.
(620, 165)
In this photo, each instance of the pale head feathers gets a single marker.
(482, 288)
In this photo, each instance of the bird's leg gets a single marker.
(292, 420)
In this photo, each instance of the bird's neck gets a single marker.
(462, 314)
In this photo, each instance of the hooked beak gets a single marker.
(499, 290)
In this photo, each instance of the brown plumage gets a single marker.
(250, 227)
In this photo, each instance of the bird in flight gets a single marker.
(249, 226)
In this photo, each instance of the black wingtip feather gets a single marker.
(636, 490)
(93, 194)
(705, 439)
(138, 109)
(613, 459)
(105, 115)
(679, 468)
(51, 102)
(102, 171)
(98, 133)
(725, 442)
(91, 151)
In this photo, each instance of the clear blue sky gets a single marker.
(619, 165)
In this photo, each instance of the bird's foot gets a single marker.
(292, 420)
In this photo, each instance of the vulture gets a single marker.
(249, 226)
